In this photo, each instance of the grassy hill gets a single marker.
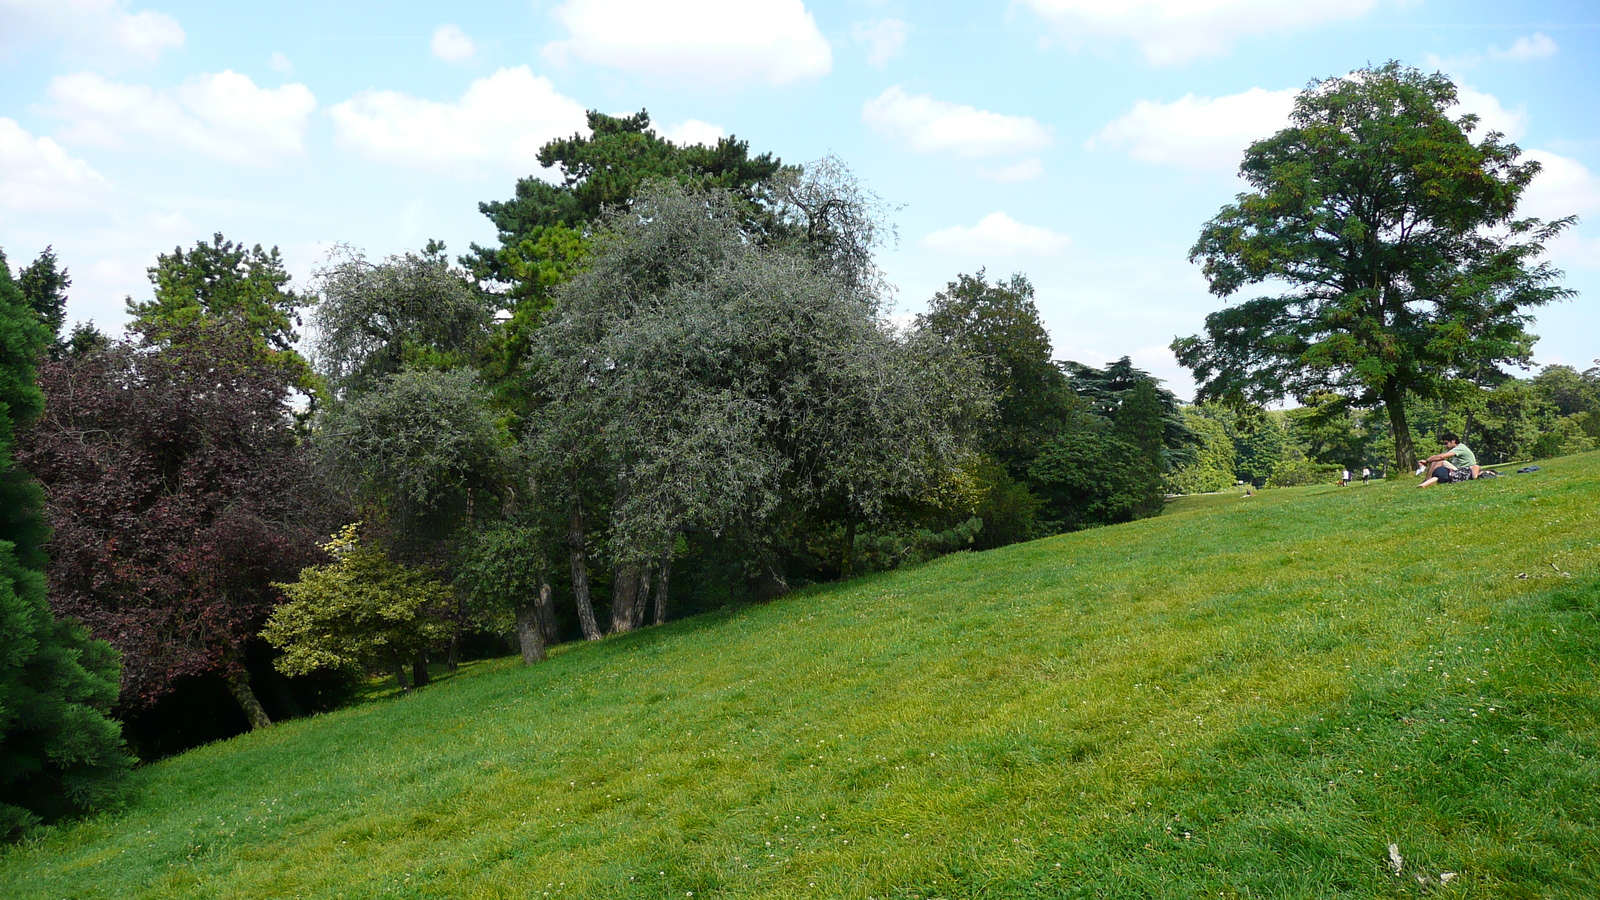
(1242, 698)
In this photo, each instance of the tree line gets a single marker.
(673, 384)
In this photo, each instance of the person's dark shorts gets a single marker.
(1447, 475)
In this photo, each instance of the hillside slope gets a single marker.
(1253, 698)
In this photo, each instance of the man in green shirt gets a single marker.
(1456, 463)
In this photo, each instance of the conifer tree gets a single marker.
(59, 753)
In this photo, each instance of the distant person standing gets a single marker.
(1366, 474)
(1344, 478)
(1457, 463)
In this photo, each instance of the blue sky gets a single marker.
(1082, 142)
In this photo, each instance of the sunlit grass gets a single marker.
(1241, 698)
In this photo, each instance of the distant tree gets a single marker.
(361, 612)
(1569, 391)
(59, 753)
(1092, 476)
(374, 319)
(1155, 416)
(44, 286)
(1408, 270)
(224, 282)
(423, 457)
(1215, 462)
(998, 326)
(175, 487)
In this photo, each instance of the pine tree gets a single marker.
(59, 753)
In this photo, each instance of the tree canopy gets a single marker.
(1396, 233)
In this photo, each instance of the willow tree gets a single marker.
(1406, 268)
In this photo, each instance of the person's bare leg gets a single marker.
(1429, 483)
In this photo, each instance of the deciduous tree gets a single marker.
(175, 488)
(1407, 268)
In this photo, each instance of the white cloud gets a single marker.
(1176, 31)
(693, 131)
(723, 42)
(501, 120)
(224, 115)
(997, 234)
(451, 44)
(1202, 133)
(100, 31)
(1535, 46)
(37, 175)
(885, 39)
(1563, 187)
(1492, 115)
(280, 63)
(1017, 171)
(930, 125)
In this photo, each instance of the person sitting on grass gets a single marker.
(1456, 463)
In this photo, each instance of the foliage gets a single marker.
(416, 449)
(1215, 464)
(44, 287)
(1156, 423)
(998, 326)
(222, 282)
(361, 611)
(605, 170)
(727, 387)
(1298, 471)
(59, 753)
(1408, 270)
(1008, 511)
(374, 319)
(1094, 477)
(176, 492)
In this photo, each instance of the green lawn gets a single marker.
(1242, 698)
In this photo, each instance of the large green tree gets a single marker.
(59, 753)
(723, 386)
(1395, 233)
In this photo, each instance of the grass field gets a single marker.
(1241, 698)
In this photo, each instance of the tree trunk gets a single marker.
(239, 686)
(1405, 453)
(547, 611)
(580, 565)
(641, 603)
(530, 633)
(624, 597)
(452, 660)
(400, 676)
(847, 561)
(419, 670)
(662, 581)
